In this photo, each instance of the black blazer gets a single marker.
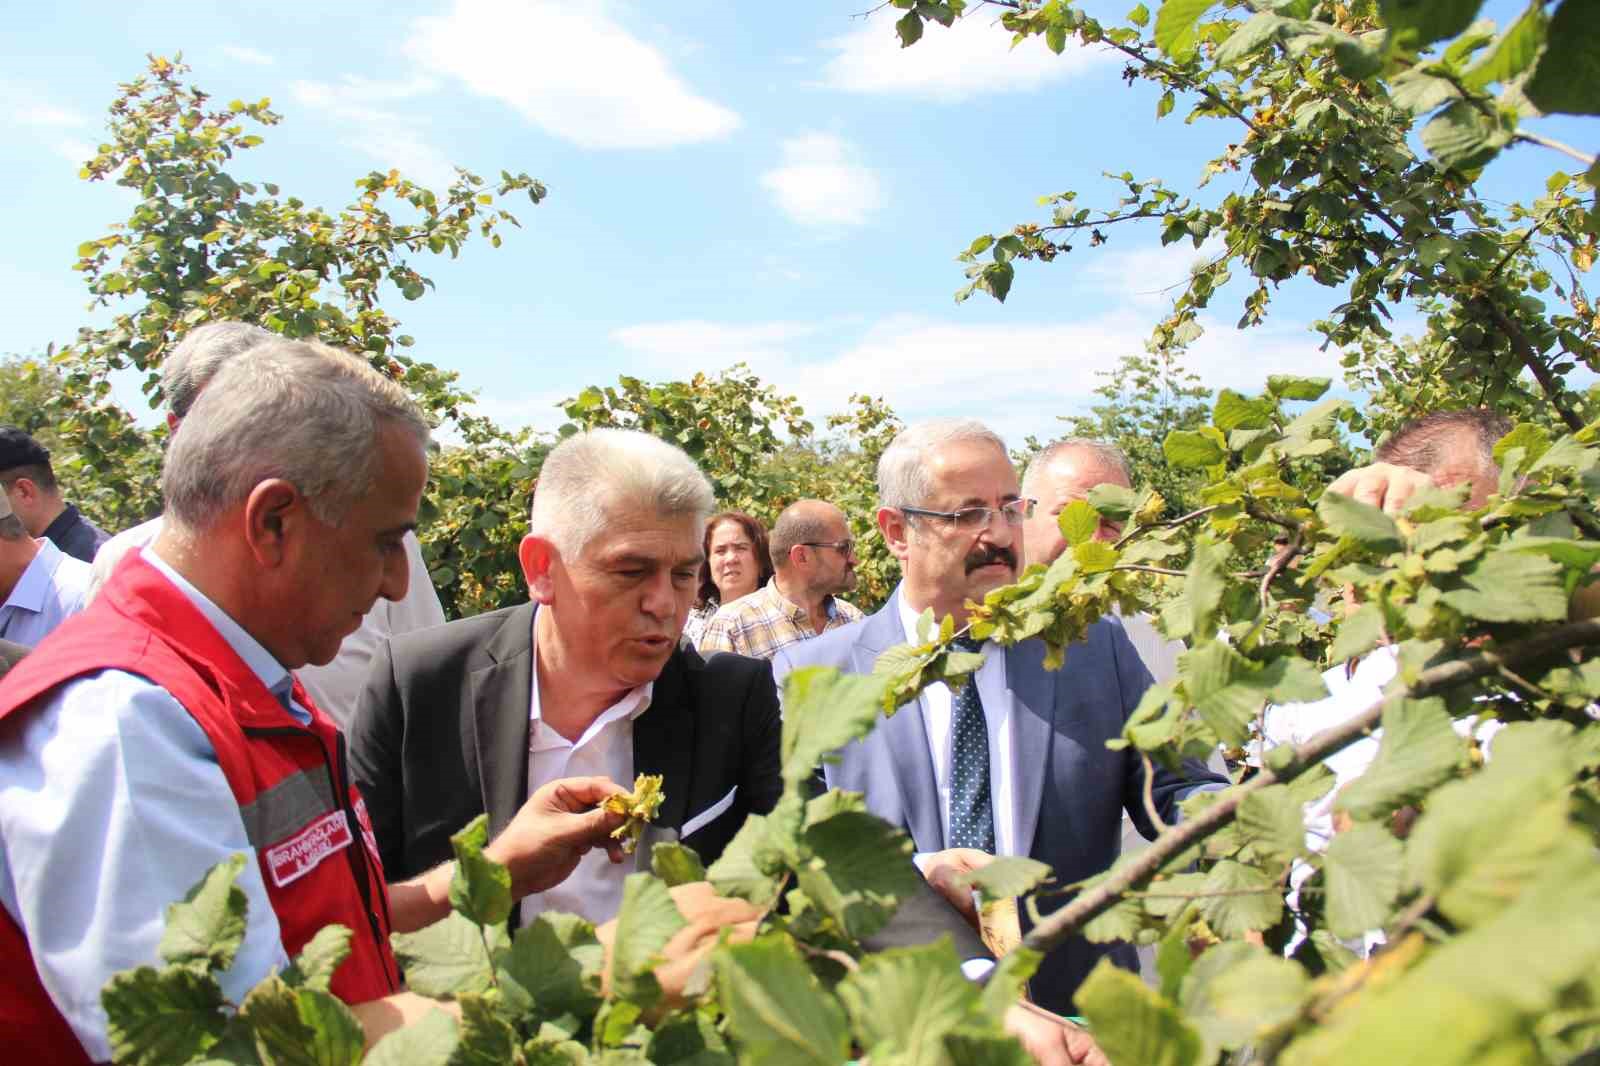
(440, 735)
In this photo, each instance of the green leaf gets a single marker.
(1009, 980)
(1567, 78)
(1254, 34)
(1534, 440)
(206, 929)
(1293, 387)
(1093, 557)
(1132, 1024)
(444, 958)
(1274, 821)
(1362, 522)
(676, 864)
(909, 29)
(903, 1001)
(1362, 869)
(1236, 994)
(308, 1027)
(429, 1042)
(541, 976)
(1418, 750)
(1507, 585)
(1139, 16)
(1418, 23)
(1241, 899)
(823, 710)
(1175, 26)
(858, 870)
(1186, 448)
(317, 962)
(1359, 633)
(155, 1017)
(982, 1047)
(480, 889)
(1209, 673)
(776, 1011)
(1464, 138)
(485, 1038)
(748, 864)
(688, 1040)
(1078, 521)
(1203, 588)
(1008, 876)
(647, 919)
(337, 1038)
(1514, 51)
(1236, 411)
(1115, 502)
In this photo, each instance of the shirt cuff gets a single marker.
(976, 969)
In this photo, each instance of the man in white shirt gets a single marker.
(335, 685)
(41, 585)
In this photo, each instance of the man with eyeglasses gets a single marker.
(1015, 762)
(813, 559)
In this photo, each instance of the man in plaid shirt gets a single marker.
(813, 559)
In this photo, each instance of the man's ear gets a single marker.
(896, 530)
(538, 558)
(273, 512)
(27, 488)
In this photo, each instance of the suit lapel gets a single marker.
(500, 696)
(906, 733)
(664, 740)
(1033, 703)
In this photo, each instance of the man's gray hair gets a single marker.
(11, 527)
(903, 476)
(1105, 453)
(1425, 443)
(195, 360)
(591, 477)
(296, 410)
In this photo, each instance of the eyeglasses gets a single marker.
(843, 547)
(970, 519)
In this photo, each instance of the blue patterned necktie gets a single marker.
(971, 811)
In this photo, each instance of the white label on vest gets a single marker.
(301, 853)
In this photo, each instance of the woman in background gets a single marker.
(737, 563)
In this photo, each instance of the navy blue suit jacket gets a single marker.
(1069, 788)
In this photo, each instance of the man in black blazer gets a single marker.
(588, 680)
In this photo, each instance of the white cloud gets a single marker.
(574, 71)
(973, 56)
(818, 183)
(1017, 377)
(250, 56)
(25, 106)
(387, 137)
(1148, 276)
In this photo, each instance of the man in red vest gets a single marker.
(161, 731)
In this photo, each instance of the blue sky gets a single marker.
(773, 183)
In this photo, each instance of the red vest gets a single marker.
(308, 825)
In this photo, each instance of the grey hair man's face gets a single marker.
(1068, 476)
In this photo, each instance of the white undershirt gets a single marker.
(936, 717)
(594, 888)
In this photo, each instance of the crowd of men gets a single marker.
(266, 669)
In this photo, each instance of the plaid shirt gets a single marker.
(759, 624)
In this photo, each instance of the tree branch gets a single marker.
(1532, 360)
(1067, 921)
(1548, 142)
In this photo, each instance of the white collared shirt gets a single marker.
(996, 697)
(52, 587)
(594, 889)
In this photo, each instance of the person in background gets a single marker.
(42, 585)
(814, 559)
(160, 731)
(737, 562)
(1061, 473)
(335, 685)
(30, 484)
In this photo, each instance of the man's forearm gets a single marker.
(421, 901)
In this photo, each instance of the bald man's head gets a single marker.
(811, 541)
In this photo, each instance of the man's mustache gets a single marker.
(992, 554)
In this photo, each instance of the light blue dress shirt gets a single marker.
(53, 586)
(112, 805)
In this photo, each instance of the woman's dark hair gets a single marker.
(758, 536)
